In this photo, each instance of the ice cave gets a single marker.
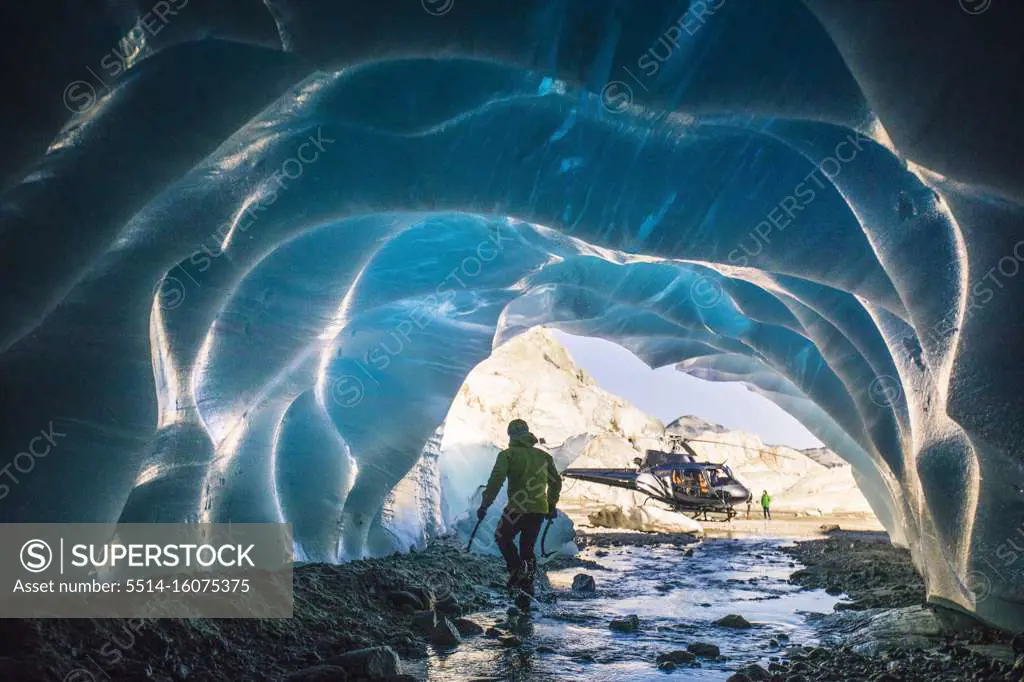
(247, 273)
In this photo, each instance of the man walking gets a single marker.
(766, 502)
(533, 489)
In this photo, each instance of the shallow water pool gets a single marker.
(676, 597)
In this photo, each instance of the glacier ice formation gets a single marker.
(247, 276)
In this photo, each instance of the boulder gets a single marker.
(630, 623)
(319, 673)
(583, 584)
(445, 634)
(704, 650)
(510, 640)
(373, 662)
(755, 673)
(425, 621)
(467, 627)
(734, 621)
(449, 604)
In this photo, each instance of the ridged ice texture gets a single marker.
(246, 289)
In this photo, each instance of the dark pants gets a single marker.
(527, 527)
(767, 512)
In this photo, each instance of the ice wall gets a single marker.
(246, 279)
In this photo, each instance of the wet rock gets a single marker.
(467, 627)
(773, 643)
(544, 650)
(402, 599)
(373, 662)
(510, 640)
(733, 621)
(449, 604)
(600, 552)
(630, 623)
(677, 657)
(425, 621)
(407, 646)
(704, 650)
(755, 673)
(319, 673)
(667, 666)
(445, 634)
(688, 552)
(738, 677)
(583, 584)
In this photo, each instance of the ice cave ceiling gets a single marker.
(247, 274)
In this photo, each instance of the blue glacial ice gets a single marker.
(250, 279)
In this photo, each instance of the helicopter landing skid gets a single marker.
(718, 515)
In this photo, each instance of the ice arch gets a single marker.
(248, 321)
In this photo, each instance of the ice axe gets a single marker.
(543, 537)
(473, 534)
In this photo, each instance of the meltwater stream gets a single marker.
(677, 598)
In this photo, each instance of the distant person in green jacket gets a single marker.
(533, 488)
(766, 503)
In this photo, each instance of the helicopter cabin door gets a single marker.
(702, 483)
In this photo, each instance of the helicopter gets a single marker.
(697, 489)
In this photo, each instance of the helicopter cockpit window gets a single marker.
(722, 477)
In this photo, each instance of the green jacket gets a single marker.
(533, 480)
(766, 500)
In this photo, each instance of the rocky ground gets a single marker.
(358, 620)
(351, 621)
(863, 565)
(885, 632)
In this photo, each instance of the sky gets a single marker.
(667, 394)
